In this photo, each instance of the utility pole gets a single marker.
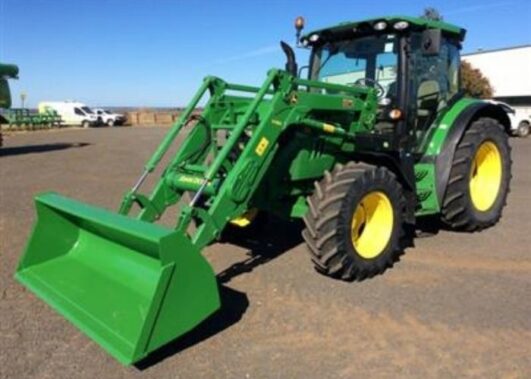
(23, 97)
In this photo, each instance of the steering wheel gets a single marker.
(368, 82)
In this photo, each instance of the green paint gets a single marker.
(133, 286)
(7, 71)
(444, 125)
(129, 285)
(425, 186)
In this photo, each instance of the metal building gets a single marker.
(509, 72)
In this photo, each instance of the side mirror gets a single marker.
(5, 94)
(431, 41)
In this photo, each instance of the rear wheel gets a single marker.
(354, 227)
(479, 179)
(523, 129)
(110, 122)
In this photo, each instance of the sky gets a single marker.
(155, 53)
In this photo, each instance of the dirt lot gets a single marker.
(456, 306)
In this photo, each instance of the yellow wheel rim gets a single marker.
(485, 176)
(372, 224)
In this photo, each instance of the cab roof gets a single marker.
(367, 26)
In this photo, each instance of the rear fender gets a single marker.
(450, 132)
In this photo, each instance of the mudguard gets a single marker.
(450, 131)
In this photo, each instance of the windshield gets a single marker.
(87, 110)
(345, 62)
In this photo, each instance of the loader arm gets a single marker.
(222, 178)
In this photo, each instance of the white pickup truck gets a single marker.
(520, 118)
(109, 118)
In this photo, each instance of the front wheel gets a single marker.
(110, 123)
(355, 223)
(479, 178)
(85, 124)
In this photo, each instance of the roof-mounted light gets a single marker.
(380, 25)
(314, 38)
(401, 25)
(299, 23)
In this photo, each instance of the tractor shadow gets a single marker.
(44, 148)
(428, 226)
(274, 239)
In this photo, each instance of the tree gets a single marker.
(431, 13)
(474, 83)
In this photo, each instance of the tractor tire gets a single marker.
(355, 222)
(479, 178)
(523, 129)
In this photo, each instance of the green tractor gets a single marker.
(7, 71)
(378, 136)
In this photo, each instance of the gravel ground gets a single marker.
(457, 305)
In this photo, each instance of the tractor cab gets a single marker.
(412, 63)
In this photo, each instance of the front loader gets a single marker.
(377, 136)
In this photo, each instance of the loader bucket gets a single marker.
(131, 286)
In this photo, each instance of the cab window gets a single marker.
(433, 82)
(79, 112)
(351, 62)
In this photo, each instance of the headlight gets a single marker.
(380, 25)
(401, 25)
(314, 37)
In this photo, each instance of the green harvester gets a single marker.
(376, 137)
(7, 71)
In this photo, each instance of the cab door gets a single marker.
(433, 81)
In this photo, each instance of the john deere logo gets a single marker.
(190, 179)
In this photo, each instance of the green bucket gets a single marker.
(130, 285)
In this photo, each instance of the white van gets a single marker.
(71, 112)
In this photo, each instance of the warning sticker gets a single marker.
(262, 146)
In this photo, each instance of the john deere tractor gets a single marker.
(377, 136)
